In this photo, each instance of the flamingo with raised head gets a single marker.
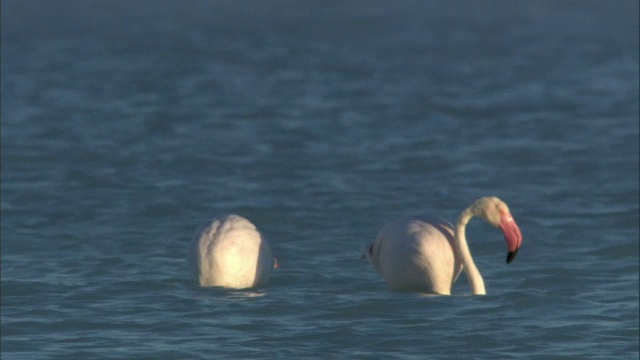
(232, 253)
(427, 254)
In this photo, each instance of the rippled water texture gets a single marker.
(126, 126)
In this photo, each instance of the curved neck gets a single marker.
(473, 275)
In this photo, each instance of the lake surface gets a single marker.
(126, 126)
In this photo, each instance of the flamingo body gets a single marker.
(230, 252)
(416, 254)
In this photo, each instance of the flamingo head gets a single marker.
(497, 213)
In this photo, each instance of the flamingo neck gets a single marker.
(473, 274)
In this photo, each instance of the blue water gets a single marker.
(126, 126)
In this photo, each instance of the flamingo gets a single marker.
(427, 254)
(231, 253)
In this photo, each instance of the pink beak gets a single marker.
(512, 235)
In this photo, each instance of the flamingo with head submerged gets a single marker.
(231, 253)
(427, 254)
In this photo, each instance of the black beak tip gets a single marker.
(512, 255)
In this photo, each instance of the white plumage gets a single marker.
(231, 253)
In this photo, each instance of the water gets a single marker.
(125, 127)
